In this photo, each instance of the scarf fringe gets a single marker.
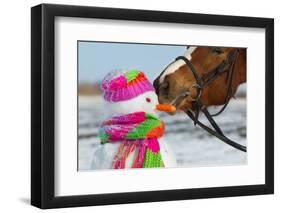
(145, 157)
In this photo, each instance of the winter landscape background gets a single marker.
(191, 145)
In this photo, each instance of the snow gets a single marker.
(191, 145)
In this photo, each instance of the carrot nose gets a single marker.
(166, 107)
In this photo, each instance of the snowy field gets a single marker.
(192, 145)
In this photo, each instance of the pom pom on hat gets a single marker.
(125, 85)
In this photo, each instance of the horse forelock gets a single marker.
(174, 66)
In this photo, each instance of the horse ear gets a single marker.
(156, 85)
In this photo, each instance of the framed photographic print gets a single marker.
(140, 106)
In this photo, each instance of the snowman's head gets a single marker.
(127, 92)
(145, 102)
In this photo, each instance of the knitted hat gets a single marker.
(125, 85)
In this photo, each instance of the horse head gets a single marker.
(178, 85)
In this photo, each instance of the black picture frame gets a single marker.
(43, 105)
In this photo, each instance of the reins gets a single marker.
(202, 83)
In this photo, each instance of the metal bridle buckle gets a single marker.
(199, 91)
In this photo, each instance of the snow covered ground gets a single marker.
(192, 145)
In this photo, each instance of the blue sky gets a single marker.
(96, 59)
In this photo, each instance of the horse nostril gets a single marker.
(166, 85)
(156, 85)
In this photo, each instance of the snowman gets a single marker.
(131, 135)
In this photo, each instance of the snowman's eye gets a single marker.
(148, 100)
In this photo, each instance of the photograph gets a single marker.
(142, 105)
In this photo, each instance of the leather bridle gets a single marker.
(200, 85)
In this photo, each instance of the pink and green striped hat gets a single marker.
(125, 85)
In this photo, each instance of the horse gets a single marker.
(203, 77)
(177, 77)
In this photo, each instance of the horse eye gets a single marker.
(217, 51)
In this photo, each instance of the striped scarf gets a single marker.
(136, 131)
